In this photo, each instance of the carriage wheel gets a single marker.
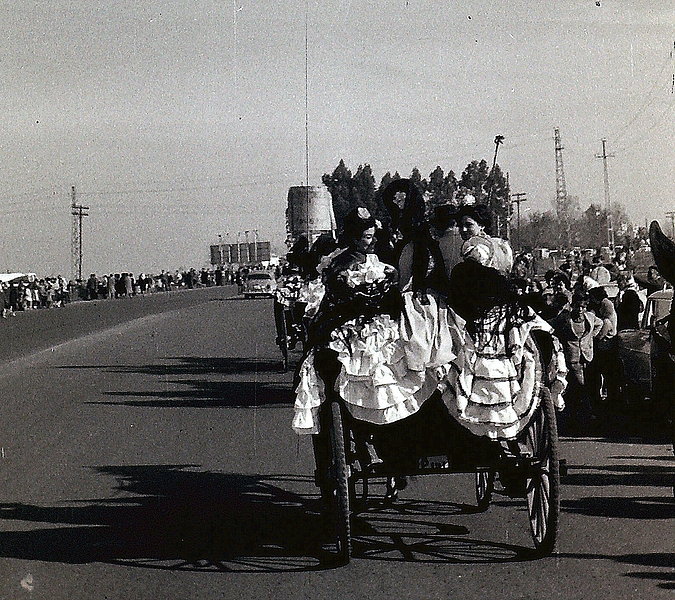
(543, 479)
(485, 485)
(340, 492)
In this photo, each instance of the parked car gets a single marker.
(644, 359)
(260, 283)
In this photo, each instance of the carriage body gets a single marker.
(432, 442)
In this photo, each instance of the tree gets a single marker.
(416, 178)
(363, 189)
(435, 186)
(589, 229)
(497, 189)
(340, 185)
(473, 180)
(450, 187)
(541, 230)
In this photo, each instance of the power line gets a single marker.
(616, 136)
(632, 143)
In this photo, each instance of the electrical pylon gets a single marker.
(561, 202)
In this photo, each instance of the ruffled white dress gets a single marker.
(492, 392)
(389, 368)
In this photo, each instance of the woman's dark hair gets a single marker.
(478, 212)
(410, 217)
(444, 216)
(297, 255)
(323, 245)
(484, 298)
(354, 224)
(561, 277)
(597, 294)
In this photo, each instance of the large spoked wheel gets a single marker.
(485, 485)
(542, 484)
(340, 485)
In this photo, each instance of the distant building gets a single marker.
(244, 253)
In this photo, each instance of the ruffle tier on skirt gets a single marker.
(388, 368)
(493, 387)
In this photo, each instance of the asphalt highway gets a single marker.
(146, 452)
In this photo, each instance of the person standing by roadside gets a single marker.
(111, 286)
(599, 272)
(603, 370)
(4, 300)
(128, 285)
(629, 304)
(576, 329)
(92, 287)
(14, 298)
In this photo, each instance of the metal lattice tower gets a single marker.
(77, 210)
(561, 202)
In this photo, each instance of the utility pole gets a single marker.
(608, 205)
(309, 237)
(517, 199)
(671, 216)
(77, 211)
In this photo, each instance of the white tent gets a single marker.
(7, 277)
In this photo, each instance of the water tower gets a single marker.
(309, 212)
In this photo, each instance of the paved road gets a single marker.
(146, 452)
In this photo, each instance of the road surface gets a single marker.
(146, 452)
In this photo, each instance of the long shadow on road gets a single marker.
(190, 365)
(175, 518)
(202, 382)
(207, 394)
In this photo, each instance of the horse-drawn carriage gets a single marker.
(431, 442)
(399, 382)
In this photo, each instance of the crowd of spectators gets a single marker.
(30, 293)
(587, 301)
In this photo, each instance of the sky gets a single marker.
(181, 121)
